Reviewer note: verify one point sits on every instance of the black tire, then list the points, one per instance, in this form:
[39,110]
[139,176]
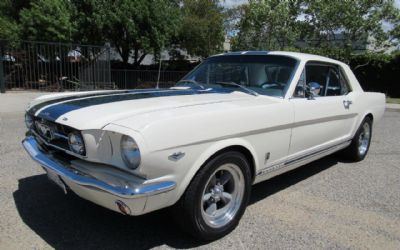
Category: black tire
[353,152]
[189,211]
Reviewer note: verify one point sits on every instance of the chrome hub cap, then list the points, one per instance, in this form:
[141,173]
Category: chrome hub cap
[222,195]
[364,138]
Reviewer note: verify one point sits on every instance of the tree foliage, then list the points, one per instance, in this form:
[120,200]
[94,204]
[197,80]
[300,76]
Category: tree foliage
[47,20]
[136,28]
[8,26]
[275,24]
[202,28]
[141,26]
[353,20]
[267,25]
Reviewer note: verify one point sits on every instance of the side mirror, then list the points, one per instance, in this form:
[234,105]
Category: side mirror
[309,93]
[312,90]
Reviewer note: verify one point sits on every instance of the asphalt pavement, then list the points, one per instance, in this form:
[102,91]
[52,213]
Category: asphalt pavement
[329,203]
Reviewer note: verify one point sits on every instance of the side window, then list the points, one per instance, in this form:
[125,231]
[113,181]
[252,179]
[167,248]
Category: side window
[333,87]
[317,78]
[321,80]
[344,83]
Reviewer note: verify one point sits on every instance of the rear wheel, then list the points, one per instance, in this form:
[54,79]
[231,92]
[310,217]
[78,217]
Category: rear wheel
[216,198]
[359,146]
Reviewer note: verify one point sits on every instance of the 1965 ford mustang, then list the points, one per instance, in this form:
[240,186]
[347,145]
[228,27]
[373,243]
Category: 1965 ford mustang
[237,119]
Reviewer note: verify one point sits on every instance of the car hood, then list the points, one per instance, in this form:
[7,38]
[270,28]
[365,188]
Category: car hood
[95,110]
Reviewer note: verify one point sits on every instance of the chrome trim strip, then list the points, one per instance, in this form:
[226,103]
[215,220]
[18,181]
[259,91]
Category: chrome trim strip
[317,152]
[288,163]
[270,129]
[60,136]
[129,192]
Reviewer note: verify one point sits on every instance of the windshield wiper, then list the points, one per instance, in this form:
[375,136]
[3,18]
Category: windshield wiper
[249,91]
[192,81]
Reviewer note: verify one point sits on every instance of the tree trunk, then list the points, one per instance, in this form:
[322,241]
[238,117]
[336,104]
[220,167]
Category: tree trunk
[138,60]
[125,55]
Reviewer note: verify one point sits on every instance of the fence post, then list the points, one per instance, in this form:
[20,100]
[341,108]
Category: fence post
[2,82]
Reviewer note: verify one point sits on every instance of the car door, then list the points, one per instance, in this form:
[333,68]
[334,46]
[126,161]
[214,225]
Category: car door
[325,119]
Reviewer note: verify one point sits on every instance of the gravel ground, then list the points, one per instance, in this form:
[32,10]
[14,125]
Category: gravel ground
[327,204]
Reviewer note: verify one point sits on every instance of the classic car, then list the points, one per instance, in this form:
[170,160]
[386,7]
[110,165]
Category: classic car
[235,120]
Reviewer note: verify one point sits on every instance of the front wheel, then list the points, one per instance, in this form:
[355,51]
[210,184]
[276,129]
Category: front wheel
[359,146]
[216,198]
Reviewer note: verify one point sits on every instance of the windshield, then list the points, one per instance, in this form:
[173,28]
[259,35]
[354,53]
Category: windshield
[264,74]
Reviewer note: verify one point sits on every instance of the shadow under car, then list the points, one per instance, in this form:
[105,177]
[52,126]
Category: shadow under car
[69,222]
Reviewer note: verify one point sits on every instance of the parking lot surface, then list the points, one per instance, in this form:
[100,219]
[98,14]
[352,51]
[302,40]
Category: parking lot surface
[329,203]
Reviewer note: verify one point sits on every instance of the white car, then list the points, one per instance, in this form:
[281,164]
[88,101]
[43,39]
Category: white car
[237,119]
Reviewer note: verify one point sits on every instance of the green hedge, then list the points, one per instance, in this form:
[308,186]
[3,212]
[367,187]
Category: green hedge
[378,73]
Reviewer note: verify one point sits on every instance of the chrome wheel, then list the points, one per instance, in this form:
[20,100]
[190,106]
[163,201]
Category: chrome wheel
[222,195]
[364,139]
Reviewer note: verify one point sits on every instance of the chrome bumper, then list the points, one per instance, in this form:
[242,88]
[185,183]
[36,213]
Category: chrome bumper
[73,176]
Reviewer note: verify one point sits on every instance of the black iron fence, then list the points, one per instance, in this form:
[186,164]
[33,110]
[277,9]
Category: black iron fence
[129,79]
[45,66]
[27,65]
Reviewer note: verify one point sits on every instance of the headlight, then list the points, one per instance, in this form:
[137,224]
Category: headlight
[130,152]
[76,143]
[28,121]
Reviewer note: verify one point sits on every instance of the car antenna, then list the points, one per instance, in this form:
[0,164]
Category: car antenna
[159,71]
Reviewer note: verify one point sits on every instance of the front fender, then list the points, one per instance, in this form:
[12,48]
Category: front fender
[208,153]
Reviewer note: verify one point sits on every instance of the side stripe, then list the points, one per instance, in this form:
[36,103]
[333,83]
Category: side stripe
[270,129]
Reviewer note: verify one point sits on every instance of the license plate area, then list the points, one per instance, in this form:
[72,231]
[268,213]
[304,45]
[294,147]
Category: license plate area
[53,176]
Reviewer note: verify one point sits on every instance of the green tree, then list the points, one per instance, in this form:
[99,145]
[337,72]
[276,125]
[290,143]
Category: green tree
[267,25]
[355,21]
[321,24]
[202,28]
[8,26]
[47,20]
[138,26]
[86,17]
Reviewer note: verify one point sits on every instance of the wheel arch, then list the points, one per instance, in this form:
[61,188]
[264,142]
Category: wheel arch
[370,116]
[217,148]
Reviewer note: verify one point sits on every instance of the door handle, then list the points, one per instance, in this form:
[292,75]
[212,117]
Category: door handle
[347,104]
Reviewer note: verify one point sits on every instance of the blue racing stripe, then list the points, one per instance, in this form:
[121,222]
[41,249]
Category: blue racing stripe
[52,113]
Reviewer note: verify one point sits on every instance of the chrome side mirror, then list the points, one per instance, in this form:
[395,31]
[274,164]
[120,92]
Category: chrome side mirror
[312,90]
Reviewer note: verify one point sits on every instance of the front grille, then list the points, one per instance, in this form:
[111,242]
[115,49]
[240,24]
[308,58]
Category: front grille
[52,134]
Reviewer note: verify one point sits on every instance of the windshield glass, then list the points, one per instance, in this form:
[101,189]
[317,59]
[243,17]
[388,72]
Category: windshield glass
[265,74]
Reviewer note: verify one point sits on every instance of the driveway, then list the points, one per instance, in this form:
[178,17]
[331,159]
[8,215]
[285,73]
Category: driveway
[330,203]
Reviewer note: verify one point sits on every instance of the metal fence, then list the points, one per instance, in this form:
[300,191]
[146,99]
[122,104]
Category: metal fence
[128,79]
[27,65]
[45,66]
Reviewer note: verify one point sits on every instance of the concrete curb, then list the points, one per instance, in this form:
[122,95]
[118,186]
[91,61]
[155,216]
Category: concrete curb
[393,107]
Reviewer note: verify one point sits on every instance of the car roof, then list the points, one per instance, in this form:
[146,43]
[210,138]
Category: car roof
[296,55]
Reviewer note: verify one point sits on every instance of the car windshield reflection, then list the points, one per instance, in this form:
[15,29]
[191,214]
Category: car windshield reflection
[254,74]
